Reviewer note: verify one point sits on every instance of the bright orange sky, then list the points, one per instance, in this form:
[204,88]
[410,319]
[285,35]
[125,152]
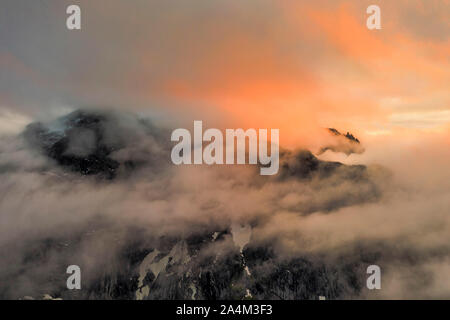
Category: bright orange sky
[322,66]
[294,65]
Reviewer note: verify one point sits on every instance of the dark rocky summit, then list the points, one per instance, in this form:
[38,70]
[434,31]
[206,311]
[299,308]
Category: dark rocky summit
[88,142]
[345,143]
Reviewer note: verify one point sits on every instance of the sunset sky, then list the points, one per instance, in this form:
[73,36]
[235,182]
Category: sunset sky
[293,65]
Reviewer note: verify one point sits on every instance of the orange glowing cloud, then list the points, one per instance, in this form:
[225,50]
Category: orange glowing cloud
[311,67]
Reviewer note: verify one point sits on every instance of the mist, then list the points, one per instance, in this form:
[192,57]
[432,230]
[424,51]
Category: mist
[385,212]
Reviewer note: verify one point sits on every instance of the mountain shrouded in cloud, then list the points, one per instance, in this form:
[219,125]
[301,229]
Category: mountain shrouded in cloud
[152,230]
[296,65]
[95,186]
[345,143]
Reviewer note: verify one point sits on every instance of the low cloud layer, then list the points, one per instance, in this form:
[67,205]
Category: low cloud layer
[336,218]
